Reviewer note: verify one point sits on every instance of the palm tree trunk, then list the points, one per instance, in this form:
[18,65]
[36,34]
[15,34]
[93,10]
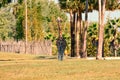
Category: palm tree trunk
[85,32]
[102,20]
[78,33]
[101,28]
[72,24]
[99,51]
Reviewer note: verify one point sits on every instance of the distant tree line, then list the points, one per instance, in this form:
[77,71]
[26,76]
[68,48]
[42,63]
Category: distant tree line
[42,16]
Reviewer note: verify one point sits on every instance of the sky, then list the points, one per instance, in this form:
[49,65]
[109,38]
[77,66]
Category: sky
[56,1]
[93,16]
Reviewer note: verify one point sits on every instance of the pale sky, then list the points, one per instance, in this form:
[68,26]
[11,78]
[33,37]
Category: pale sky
[93,16]
[56,1]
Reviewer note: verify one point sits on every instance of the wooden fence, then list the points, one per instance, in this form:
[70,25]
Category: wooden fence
[42,47]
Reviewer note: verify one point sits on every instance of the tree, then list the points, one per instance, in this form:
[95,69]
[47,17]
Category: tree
[109,5]
[34,30]
[92,40]
[85,31]
[68,7]
[75,8]
[112,35]
[3,3]
[7,24]
[101,28]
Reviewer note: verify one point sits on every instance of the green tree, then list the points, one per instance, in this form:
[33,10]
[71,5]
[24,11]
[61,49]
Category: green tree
[92,40]
[112,36]
[7,24]
[35,30]
[18,12]
[3,3]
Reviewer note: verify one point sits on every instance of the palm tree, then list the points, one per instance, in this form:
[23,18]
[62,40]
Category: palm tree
[109,5]
[69,6]
[76,8]
[101,28]
[85,31]
[72,23]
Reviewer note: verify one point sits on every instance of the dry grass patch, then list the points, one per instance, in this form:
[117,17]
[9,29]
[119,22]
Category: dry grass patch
[35,67]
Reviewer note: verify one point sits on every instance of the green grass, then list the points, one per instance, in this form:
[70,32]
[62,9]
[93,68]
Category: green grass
[35,67]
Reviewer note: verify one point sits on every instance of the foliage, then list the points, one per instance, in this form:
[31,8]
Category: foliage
[7,24]
[53,13]
[42,24]
[92,40]
[41,19]
[3,2]
[111,33]
[18,12]
[110,5]
[20,1]
[50,14]
[36,31]
[75,4]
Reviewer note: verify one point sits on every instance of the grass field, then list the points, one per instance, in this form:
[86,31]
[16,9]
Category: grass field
[35,67]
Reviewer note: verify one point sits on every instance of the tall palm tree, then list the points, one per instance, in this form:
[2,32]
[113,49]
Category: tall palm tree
[77,38]
[80,29]
[101,28]
[85,31]
[99,54]
[72,23]
[108,5]
[69,6]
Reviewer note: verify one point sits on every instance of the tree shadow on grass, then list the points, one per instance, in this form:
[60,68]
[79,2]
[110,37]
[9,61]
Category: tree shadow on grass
[10,59]
[6,60]
[46,57]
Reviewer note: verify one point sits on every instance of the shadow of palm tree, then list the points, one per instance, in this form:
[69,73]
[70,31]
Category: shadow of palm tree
[46,57]
[6,60]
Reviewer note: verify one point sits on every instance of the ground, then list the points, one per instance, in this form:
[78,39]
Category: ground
[37,67]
